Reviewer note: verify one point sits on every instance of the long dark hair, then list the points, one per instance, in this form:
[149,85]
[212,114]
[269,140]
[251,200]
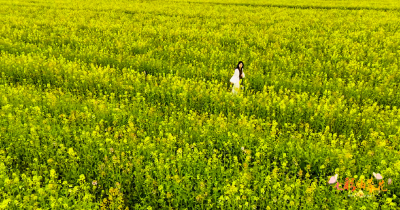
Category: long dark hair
[240,69]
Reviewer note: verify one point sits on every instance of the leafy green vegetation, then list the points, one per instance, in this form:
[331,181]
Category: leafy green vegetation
[127,104]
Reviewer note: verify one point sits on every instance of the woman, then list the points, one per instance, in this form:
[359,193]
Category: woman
[236,78]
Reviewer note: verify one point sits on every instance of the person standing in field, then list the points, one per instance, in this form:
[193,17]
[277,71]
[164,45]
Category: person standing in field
[237,77]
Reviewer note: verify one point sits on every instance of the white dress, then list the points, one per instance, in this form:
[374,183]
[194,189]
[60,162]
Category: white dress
[236,81]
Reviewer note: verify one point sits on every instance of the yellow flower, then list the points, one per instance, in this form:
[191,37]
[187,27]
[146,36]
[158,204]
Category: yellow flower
[5,203]
[348,156]
[359,194]
[53,173]
[300,173]
[169,195]
[309,190]
[82,177]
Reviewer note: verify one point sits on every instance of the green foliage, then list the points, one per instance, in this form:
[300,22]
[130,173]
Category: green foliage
[125,105]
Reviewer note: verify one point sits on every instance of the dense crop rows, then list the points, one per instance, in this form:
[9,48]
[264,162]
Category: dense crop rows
[126,104]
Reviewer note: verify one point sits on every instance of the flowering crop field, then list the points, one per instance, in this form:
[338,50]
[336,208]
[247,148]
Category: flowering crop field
[127,104]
